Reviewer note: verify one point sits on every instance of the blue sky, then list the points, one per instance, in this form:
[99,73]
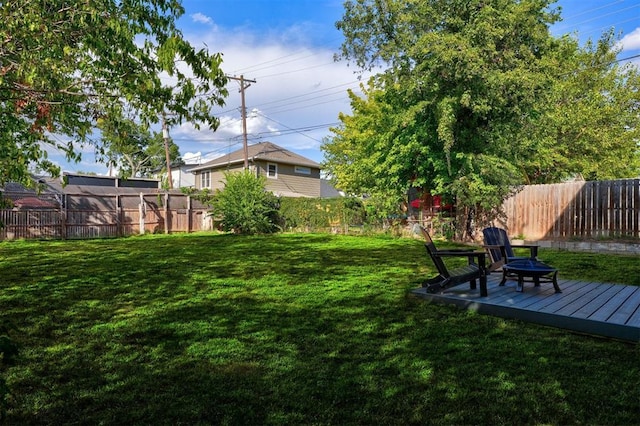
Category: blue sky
[287,46]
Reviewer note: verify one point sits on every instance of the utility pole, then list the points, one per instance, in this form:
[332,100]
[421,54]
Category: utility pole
[165,138]
[244,84]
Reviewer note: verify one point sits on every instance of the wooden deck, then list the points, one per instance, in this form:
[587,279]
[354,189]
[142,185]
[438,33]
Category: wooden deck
[610,310]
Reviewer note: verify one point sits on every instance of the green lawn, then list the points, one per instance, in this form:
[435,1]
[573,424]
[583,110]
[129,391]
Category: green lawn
[289,329]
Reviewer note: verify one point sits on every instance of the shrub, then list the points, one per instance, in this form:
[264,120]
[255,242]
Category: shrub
[319,213]
[244,206]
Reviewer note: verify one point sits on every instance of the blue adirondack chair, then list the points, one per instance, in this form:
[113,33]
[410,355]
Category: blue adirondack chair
[500,250]
[474,270]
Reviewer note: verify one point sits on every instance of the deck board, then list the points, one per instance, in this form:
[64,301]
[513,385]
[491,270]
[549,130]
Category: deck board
[603,309]
[626,309]
[578,299]
[634,320]
[597,303]
[607,309]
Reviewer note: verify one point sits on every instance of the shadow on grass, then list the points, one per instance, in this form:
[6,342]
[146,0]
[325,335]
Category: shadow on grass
[288,329]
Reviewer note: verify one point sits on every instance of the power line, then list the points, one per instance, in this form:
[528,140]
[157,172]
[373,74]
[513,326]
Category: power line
[300,98]
[298,70]
[604,64]
[584,12]
[287,99]
[308,106]
[565,26]
[299,130]
[306,94]
[603,29]
[251,67]
[608,14]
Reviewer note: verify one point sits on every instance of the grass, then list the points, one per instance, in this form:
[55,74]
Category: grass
[289,329]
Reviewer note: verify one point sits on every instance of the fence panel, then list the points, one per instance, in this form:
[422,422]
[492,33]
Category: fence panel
[604,209]
[105,216]
[28,224]
[82,224]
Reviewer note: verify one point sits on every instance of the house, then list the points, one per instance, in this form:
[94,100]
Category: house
[181,175]
[288,174]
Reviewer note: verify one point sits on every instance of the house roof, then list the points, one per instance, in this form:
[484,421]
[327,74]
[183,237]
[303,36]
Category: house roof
[327,190]
[263,151]
[33,203]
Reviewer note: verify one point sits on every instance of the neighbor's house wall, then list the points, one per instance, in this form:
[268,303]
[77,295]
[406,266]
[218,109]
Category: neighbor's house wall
[288,181]
[217,176]
[182,178]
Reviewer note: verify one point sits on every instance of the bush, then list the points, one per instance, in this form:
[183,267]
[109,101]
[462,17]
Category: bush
[319,213]
[244,206]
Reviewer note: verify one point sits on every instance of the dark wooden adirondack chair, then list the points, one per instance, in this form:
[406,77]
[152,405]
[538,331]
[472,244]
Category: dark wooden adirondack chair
[500,249]
[448,278]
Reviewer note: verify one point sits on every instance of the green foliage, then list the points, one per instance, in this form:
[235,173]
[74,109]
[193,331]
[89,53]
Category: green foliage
[8,352]
[67,64]
[320,214]
[244,206]
[590,121]
[384,209]
[133,148]
[477,97]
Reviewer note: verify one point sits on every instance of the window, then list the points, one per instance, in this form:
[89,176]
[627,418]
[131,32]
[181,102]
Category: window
[272,170]
[205,180]
[303,170]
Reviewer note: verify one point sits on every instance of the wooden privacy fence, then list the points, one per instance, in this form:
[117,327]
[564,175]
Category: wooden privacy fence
[564,211]
[92,216]
[580,210]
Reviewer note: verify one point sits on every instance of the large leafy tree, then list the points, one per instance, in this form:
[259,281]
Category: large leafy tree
[63,65]
[588,124]
[474,97]
[134,149]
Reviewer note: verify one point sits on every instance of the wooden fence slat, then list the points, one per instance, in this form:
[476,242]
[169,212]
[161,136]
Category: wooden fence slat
[119,221]
[575,210]
[554,211]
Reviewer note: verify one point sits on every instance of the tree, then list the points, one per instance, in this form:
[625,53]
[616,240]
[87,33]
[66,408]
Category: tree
[472,100]
[590,121]
[134,149]
[64,65]
[244,205]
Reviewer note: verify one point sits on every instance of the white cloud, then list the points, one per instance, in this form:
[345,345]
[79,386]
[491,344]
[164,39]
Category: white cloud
[192,157]
[631,41]
[198,157]
[201,18]
[297,89]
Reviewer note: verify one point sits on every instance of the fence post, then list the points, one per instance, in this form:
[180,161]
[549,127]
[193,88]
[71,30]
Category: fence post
[119,227]
[63,217]
[167,213]
[188,214]
[141,210]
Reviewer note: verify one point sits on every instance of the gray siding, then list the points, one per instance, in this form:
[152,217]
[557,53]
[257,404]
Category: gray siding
[289,182]
[217,176]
